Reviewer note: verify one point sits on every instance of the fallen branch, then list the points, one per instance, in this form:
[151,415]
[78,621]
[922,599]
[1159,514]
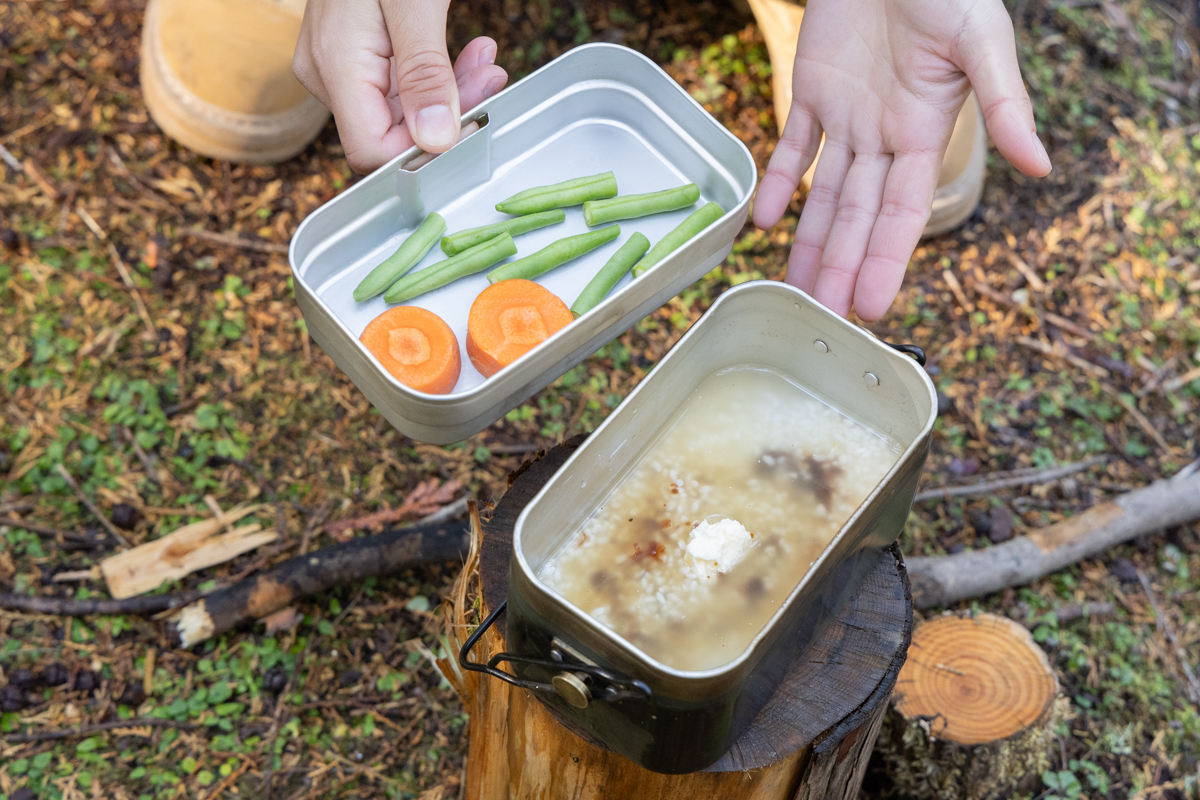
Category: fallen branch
[69,607]
[88,730]
[939,580]
[323,569]
[987,487]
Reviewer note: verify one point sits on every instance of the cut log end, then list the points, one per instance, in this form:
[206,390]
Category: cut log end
[974,711]
[975,680]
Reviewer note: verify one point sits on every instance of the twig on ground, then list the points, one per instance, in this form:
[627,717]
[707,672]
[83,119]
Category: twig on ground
[10,159]
[142,456]
[1074,611]
[88,730]
[1164,624]
[1175,384]
[1140,419]
[988,486]
[281,703]
[427,498]
[230,240]
[46,531]
[314,523]
[1055,352]
[95,228]
[83,498]
[42,182]
[1034,280]
[452,511]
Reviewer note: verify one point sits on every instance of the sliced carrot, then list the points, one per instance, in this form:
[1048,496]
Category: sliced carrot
[417,347]
[510,318]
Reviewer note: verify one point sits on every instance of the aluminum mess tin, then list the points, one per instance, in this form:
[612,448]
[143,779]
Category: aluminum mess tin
[597,108]
[688,719]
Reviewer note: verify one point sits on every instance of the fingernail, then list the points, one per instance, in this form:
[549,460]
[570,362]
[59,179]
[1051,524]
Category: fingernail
[489,53]
[436,126]
[1041,148]
[493,86]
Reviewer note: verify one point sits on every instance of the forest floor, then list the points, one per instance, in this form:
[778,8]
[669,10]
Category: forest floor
[1063,321]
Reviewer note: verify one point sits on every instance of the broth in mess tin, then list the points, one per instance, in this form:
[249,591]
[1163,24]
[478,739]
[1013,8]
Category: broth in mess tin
[708,534]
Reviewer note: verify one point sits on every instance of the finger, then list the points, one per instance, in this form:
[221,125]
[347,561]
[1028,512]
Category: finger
[907,202]
[793,154]
[846,247]
[479,84]
[479,52]
[356,93]
[991,66]
[820,208]
[424,78]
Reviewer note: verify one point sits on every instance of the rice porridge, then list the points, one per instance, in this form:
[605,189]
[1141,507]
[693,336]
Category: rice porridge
[699,544]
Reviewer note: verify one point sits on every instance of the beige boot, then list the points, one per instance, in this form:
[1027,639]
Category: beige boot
[960,184]
[217,77]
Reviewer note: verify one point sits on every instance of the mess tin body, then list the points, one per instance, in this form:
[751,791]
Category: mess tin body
[689,719]
[597,108]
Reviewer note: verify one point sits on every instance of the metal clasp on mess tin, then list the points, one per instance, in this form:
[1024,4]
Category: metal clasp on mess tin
[576,682]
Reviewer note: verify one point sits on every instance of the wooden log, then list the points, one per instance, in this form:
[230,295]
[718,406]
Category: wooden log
[939,580]
[974,712]
[812,740]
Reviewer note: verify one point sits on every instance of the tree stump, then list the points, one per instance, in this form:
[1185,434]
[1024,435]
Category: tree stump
[974,711]
[812,740]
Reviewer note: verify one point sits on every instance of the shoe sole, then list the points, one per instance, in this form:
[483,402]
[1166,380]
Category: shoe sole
[213,131]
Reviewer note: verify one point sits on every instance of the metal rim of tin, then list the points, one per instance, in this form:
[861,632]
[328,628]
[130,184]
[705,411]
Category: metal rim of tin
[886,351]
[478,113]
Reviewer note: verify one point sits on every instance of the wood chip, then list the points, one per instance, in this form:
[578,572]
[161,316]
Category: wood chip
[182,552]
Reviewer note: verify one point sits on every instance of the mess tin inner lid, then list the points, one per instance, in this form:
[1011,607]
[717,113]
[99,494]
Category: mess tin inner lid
[764,323]
[596,108]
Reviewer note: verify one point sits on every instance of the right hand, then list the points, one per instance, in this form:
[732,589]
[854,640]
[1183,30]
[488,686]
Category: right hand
[383,69]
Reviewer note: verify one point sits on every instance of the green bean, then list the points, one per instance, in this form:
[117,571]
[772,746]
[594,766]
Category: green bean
[414,248]
[560,195]
[455,243]
[610,274]
[468,262]
[554,255]
[598,212]
[698,221]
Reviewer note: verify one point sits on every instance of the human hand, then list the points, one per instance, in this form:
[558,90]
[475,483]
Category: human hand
[382,67]
[884,80]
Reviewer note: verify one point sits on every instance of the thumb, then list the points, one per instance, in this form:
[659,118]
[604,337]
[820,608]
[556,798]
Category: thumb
[424,78]
[990,63]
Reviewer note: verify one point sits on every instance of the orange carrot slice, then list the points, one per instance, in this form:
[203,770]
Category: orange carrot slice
[417,347]
[510,318]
